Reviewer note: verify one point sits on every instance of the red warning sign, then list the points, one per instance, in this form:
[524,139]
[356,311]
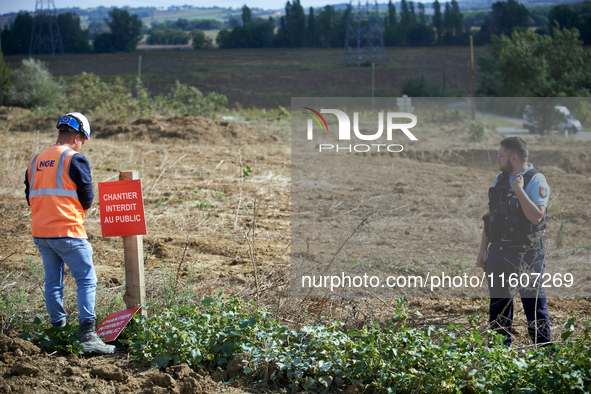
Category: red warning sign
[112,325]
[122,208]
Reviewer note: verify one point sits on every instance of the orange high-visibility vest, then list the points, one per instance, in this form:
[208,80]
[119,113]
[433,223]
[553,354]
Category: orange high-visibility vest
[56,210]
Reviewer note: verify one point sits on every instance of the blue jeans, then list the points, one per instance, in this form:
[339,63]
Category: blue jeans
[77,254]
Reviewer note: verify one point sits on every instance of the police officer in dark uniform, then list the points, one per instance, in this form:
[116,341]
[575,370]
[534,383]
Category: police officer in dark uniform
[512,249]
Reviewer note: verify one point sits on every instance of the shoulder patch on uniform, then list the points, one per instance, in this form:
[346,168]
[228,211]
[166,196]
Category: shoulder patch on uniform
[543,192]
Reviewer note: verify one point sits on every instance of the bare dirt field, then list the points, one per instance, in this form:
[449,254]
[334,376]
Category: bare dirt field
[201,182]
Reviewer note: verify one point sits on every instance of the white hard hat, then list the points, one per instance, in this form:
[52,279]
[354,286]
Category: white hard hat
[77,121]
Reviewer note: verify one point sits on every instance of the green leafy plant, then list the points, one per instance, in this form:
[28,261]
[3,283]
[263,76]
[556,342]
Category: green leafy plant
[477,131]
[246,171]
[34,86]
[221,196]
[12,303]
[55,339]
[204,204]
[382,356]
[186,334]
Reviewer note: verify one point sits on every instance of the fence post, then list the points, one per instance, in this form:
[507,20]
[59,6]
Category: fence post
[133,250]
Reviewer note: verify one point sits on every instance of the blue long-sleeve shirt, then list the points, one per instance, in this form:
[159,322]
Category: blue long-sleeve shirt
[79,172]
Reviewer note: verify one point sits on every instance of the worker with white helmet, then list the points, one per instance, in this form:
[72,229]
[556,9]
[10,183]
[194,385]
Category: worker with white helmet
[58,187]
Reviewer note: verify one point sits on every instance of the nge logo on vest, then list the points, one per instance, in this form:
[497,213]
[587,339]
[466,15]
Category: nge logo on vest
[45,164]
[393,124]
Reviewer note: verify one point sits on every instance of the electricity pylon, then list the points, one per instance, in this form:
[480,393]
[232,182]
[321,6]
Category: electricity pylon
[45,36]
[364,41]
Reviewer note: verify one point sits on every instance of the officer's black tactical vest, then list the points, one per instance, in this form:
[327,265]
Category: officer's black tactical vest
[506,225]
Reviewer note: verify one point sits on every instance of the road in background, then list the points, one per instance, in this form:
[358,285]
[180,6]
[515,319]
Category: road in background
[518,131]
[515,129]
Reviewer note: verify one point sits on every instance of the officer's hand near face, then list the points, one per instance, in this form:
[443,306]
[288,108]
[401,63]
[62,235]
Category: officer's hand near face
[517,183]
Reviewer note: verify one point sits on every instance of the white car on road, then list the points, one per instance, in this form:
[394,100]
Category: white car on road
[567,122]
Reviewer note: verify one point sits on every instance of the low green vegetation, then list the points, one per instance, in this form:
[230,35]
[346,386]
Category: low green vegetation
[34,87]
[477,131]
[389,356]
[53,339]
[246,171]
[204,204]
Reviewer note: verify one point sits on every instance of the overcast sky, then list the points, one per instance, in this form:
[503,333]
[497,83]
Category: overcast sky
[7,6]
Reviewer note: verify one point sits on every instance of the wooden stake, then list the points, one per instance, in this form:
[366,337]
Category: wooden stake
[133,250]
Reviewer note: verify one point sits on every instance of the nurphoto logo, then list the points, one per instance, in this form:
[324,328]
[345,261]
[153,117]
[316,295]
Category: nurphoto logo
[344,130]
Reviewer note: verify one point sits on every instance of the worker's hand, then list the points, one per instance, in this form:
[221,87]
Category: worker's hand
[517,183]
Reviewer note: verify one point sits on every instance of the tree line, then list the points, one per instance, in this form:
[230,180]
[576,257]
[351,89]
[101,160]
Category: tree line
[16,37]
[408,26]
[327,27]
[123,33]
[324,27]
